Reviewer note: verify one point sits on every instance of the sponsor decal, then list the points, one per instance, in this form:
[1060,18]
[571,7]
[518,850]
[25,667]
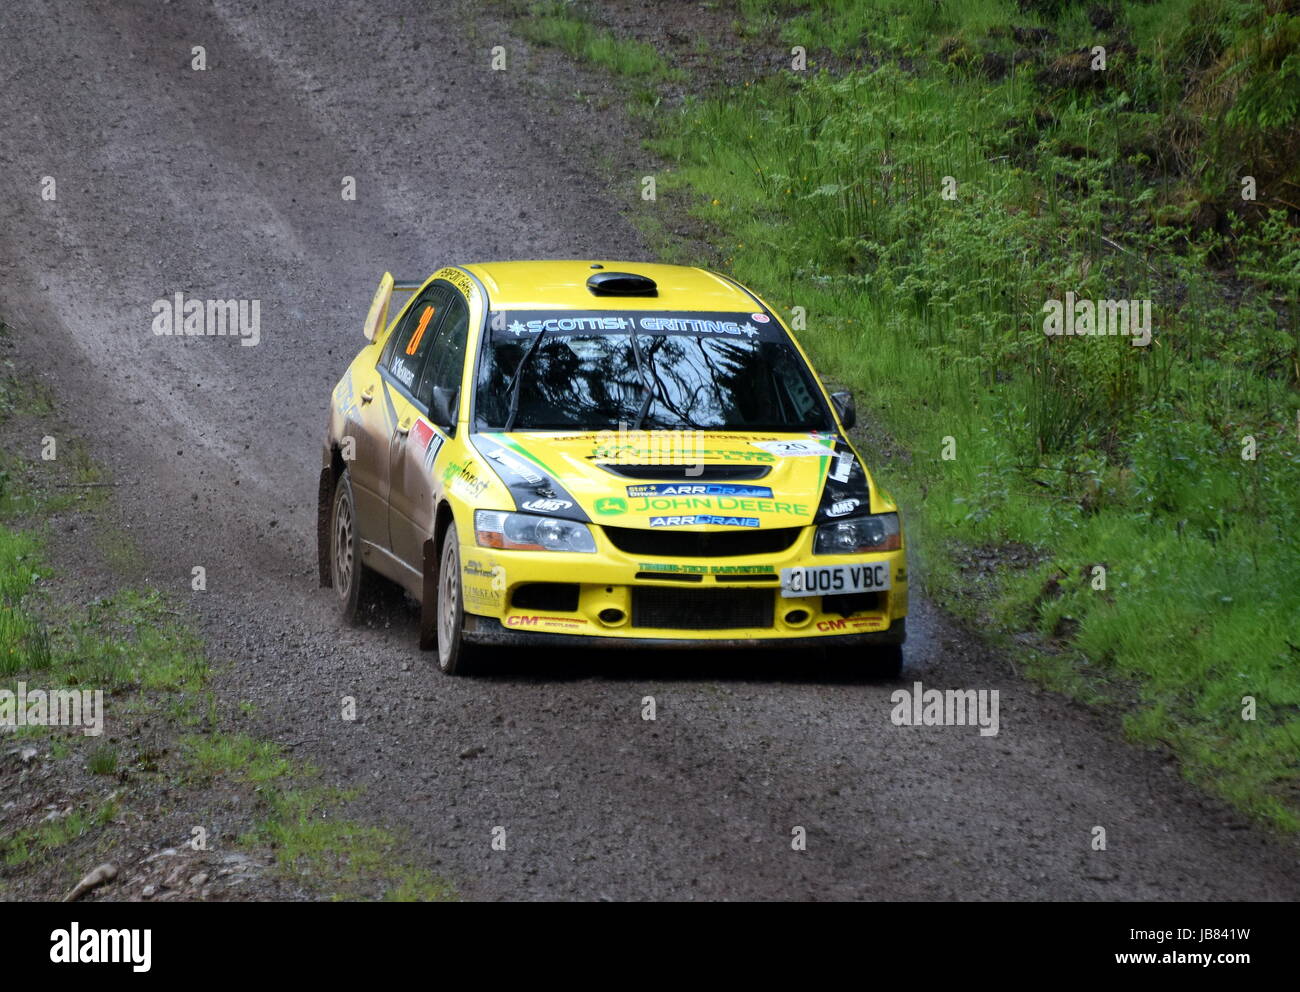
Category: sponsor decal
[431,451]
[677,447]
[546,505]
[842,467]
[672,503]
[343,398]
[610,505]
[647,566]
[592,323]
[478,596]
[462,479]
[475,592]
[842,507]
[604,322]
[698,489]
[520,323]
[853,623]
[459,279]
[421,433]
[630,455]
[564,623]
[404,374]
[694,325]
[793,449]
[516,466]
[528,483]
[702,519]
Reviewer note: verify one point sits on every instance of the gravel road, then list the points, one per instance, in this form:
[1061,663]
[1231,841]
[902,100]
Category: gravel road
[226,183]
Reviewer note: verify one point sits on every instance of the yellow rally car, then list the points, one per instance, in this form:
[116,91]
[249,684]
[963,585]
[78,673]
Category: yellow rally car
[598,453]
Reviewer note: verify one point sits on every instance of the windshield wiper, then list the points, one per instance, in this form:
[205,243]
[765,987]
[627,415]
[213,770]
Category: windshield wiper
[640,372]
[518,379]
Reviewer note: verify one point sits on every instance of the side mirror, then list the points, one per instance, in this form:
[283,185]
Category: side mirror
[845,407]
[442,406]
[377,318]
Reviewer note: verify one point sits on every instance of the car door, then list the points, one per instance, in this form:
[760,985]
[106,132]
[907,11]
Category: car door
[365,433]
[398,373]
[418,443]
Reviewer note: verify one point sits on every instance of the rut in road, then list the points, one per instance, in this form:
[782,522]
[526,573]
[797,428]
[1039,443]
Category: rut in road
[226,183]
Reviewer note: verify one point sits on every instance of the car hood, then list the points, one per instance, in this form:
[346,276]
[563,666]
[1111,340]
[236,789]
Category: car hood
[693,480]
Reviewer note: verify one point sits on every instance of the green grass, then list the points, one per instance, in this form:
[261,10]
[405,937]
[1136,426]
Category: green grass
[825,191]
[47,838]
[237,756]
[103,760]
[312,843]
[24,644]
[148,661]
[563,25]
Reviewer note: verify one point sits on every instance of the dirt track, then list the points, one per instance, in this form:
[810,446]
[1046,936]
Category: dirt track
[226,184]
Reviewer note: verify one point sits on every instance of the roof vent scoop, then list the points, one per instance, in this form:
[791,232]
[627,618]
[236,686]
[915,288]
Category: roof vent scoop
[621,284]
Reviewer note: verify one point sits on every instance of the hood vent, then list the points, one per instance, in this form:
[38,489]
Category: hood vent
[621,284]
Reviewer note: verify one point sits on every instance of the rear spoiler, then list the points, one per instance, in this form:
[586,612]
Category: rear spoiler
[406,285]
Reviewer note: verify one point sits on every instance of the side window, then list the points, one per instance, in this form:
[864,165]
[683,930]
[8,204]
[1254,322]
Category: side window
[447,359]
[410,342]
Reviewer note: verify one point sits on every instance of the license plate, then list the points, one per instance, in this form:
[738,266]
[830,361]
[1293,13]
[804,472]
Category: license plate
[831,580]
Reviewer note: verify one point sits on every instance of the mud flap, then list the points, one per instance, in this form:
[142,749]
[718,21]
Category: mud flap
[429,598]
[324,508]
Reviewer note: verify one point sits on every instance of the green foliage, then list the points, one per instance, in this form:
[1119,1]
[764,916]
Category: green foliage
[236,756]
[563,25]
[828,193]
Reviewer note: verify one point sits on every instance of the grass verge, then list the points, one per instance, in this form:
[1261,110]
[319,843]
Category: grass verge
[165,750]
[921,199]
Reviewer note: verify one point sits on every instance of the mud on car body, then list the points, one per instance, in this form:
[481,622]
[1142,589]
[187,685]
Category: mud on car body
[585,453]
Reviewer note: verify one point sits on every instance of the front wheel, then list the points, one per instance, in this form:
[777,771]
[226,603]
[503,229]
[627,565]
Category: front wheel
[453,651]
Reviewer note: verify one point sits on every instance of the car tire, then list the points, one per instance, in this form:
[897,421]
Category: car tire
[454,652]
[352,580]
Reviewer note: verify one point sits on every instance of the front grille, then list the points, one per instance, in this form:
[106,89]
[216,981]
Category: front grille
[689,472]
[697,544]
[670,576]
[559,596]
[700,609]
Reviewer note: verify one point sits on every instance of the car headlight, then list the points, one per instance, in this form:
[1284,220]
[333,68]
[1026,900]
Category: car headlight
[524,532]
[845,537]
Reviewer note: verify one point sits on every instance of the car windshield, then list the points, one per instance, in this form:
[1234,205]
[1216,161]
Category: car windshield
[685,370]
